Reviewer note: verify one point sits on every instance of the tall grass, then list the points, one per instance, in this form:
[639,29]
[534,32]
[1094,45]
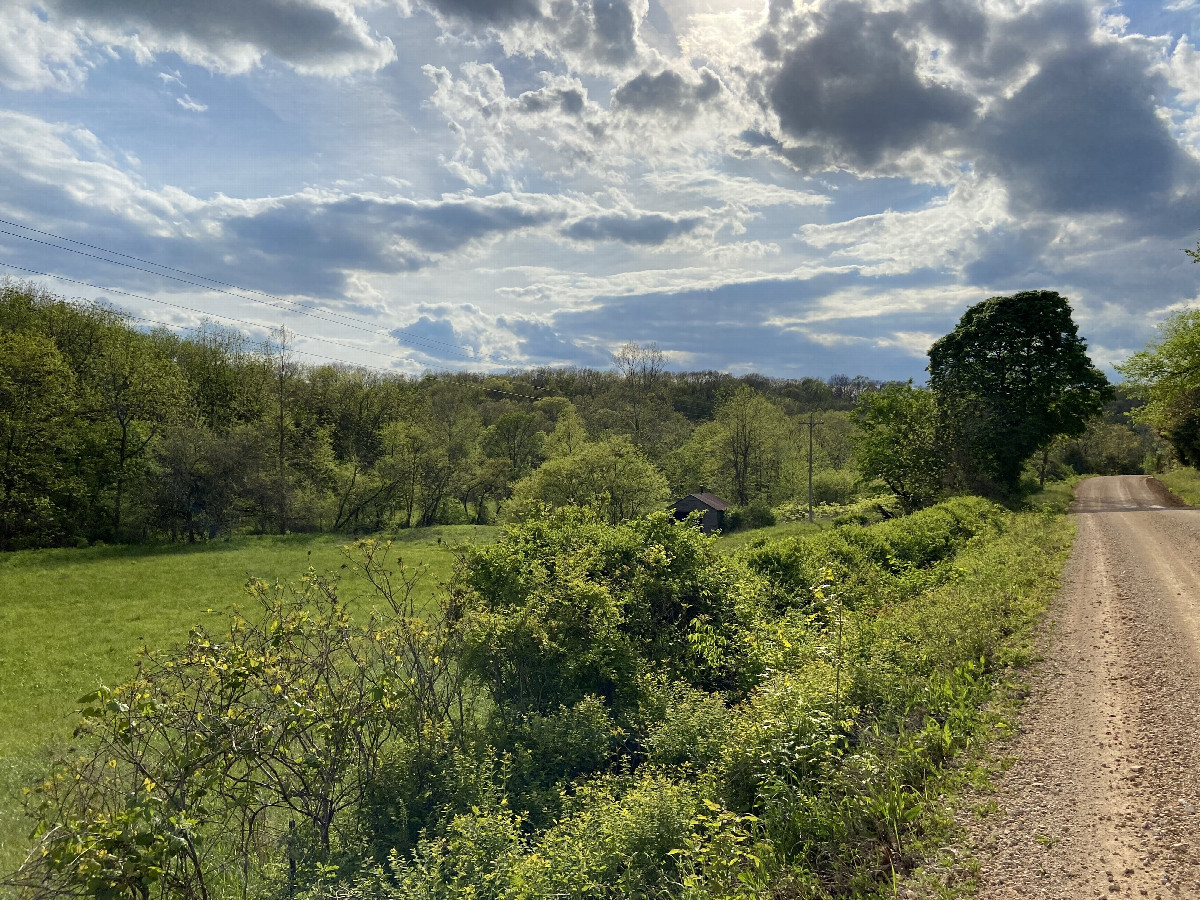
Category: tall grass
[71,619]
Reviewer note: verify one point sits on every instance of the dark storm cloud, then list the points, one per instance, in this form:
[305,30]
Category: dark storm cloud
[305,33]
[488,12]
[358,232]
[616,30]
[853,90]
[647,229]
[999,48]
[667,92]
[300,245]
[1083,136]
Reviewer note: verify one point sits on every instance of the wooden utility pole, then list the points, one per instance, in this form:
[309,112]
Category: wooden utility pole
[811,423]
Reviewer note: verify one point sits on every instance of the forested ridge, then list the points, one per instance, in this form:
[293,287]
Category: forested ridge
[113,432]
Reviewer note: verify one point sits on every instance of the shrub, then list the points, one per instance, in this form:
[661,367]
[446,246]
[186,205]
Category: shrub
[690,728]
[567,606]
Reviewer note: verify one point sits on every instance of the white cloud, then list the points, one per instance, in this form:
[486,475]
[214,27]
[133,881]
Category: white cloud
[942,235]
[36,54]
[191,105]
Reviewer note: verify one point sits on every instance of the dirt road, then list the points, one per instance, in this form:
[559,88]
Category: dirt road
[1104,796]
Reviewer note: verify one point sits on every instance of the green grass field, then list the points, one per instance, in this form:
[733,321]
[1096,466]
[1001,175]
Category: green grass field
[71,619]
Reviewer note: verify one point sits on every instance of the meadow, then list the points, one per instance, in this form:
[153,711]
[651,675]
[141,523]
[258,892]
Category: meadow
[72,619]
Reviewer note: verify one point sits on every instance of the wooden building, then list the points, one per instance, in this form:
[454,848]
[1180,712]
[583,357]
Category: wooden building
[710,505]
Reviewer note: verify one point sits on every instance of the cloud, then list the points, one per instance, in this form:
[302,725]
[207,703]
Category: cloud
[191,105]
[646,229]
[667,93]
[943,235]
[847,91]
[488,12]
[322,37]
[330,233]
[1083,135]
[737,328]
[590,35]
[36,54]
[464,336]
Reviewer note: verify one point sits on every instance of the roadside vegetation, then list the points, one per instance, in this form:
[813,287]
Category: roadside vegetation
[590,699]
[596,709]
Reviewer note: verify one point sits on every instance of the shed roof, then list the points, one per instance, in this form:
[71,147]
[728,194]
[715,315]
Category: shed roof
[710,500]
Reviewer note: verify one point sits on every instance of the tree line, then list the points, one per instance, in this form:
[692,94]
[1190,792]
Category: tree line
[111,432]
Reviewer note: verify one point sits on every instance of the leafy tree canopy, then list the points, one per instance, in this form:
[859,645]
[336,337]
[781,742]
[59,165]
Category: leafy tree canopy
[897,442]
[611,476]
[1167,374]
[1011,376]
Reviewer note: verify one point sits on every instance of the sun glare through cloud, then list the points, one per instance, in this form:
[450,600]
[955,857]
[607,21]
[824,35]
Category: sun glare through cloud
[542,182]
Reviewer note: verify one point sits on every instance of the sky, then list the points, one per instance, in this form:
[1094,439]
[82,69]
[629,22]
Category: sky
[792,188]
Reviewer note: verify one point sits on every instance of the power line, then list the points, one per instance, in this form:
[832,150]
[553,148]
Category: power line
[299,307]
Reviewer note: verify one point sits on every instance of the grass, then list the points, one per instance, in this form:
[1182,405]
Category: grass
[1054,496]
[1185,483]
[70,619]
[739,539]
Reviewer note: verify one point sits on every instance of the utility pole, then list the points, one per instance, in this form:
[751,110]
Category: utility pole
[811,423]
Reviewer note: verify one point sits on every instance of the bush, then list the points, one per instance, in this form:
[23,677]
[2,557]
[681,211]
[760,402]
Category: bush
[568,606]
[689,728]
[855,555]
[835,486]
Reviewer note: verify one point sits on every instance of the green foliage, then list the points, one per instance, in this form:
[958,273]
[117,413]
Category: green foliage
[742,454]
[600,711]
[36,401]
[1185,483]
[857,555]
[897,442]
[752,515]
[1167,375]
[74,618]
[610,476]
[687,727]
[1012,376]
[567,606]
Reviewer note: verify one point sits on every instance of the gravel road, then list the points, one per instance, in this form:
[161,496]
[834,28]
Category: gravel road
[1103,797]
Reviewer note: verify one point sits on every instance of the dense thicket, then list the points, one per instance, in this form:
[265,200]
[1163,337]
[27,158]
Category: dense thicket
[595,711]
[114,433]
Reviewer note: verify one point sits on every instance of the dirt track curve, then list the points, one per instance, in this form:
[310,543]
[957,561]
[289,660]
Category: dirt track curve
[1104,796]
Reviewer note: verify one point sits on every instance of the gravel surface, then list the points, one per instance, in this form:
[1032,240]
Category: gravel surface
[1103,797]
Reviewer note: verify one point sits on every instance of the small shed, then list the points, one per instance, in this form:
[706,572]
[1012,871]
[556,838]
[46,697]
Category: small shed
[710,505]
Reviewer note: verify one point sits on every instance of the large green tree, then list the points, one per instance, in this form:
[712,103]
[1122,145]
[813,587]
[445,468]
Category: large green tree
[1008,379]
[36,402]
